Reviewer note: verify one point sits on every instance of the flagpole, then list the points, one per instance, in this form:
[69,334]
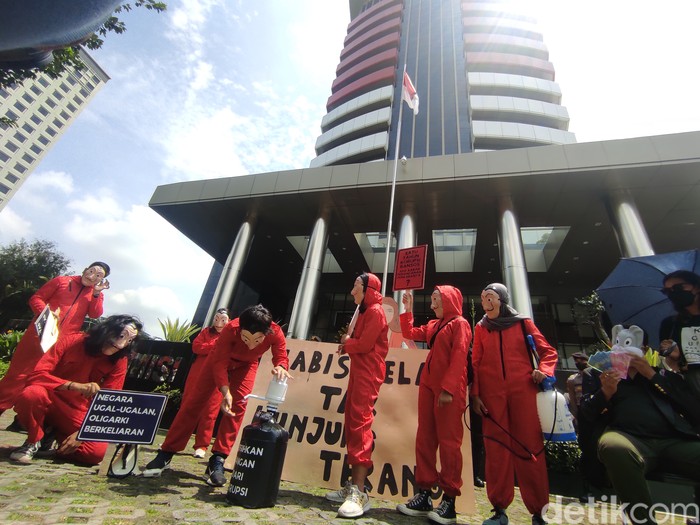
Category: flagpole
[393,188]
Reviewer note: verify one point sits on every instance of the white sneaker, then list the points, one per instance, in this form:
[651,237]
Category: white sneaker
[339,496]
[26,452]
[200,453]
[356,504]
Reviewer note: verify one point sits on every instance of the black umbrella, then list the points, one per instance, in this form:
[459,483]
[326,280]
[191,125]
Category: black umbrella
[632,291]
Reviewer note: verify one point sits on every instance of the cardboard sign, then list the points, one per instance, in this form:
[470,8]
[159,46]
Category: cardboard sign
[409,270]
[313,414]
[46,328]
[123,416]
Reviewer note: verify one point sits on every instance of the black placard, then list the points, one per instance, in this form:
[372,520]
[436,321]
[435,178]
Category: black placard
[123,416]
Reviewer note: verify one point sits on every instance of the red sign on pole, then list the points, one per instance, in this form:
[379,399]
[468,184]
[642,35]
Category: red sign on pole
[409,270]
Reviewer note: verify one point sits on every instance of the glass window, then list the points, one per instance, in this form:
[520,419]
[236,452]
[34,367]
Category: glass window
[4,93]
[4,157]
[50,103]
[27,158]
[58,95]
[43,110]
[65,115]
[71,81]
[28,98]
[19,168]
[43,82]
[28,127]
[36,119]
[19,137]
[71,107]
[36,149]
[11,114]
[64,88]
[36,90]
[19,106]
[12,178]
[84,92]
[11,146]
[43,140]
[57,123]
[51,132]
[3,188]
[77,100]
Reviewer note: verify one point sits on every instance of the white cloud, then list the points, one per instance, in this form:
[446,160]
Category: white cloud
[41,189]
[149,303]
[13,227]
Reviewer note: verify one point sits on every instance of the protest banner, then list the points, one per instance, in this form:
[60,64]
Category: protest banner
[313,415]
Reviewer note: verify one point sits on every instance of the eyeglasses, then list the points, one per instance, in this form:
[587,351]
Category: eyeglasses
[680,287]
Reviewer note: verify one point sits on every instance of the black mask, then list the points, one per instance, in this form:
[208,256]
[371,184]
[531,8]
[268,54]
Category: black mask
[681,298]
[582,366]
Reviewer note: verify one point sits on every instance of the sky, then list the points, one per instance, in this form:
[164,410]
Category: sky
[220,88]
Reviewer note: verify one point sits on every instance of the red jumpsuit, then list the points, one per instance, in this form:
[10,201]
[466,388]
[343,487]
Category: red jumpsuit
[367,349]
[445,369]
[75,302]
[40,405]
[503,381]
[202,346]
[231,363]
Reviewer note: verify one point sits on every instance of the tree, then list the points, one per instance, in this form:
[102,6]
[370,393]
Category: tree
[68,57]
[24,267]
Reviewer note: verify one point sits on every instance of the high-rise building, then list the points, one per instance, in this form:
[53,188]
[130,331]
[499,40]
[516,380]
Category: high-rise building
[42,109]
[493,183]
[481,69]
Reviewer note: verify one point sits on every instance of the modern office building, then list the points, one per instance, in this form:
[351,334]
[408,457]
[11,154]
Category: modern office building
[481,70]
[42,110]
[493,183]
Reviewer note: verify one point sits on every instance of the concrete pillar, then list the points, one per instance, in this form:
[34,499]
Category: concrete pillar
[226,289]
[302,310]
[631,235]
[513,257]
[407,239]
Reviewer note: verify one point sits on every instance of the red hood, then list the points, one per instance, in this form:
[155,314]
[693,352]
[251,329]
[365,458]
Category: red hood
[451,301]
[373,294]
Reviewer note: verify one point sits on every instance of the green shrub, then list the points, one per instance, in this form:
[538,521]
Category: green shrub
[563,456]
[8,342]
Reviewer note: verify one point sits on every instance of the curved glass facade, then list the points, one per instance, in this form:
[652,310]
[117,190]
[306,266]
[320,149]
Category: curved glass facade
[482,73]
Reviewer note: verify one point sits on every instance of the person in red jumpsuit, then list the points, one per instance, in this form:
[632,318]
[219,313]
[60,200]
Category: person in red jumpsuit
[504,393]
[229,369]
[70,298]
[58,392]
[367,345]
[442,400]
[202,346]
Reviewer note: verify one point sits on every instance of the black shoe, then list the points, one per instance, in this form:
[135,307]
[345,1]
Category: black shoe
[158,464]
[418,505]
[445,514]
[479,483]
[537,519]
[46,444]
[215,471]
[499,518]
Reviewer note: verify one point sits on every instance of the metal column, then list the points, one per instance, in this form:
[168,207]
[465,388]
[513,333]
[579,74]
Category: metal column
[513,258]
[308,285]
[631,235]
[225,290]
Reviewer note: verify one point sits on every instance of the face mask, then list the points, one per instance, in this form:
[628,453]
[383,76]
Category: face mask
[582,366]
[681,298]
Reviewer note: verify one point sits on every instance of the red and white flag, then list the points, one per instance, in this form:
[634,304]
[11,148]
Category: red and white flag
[408,93]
